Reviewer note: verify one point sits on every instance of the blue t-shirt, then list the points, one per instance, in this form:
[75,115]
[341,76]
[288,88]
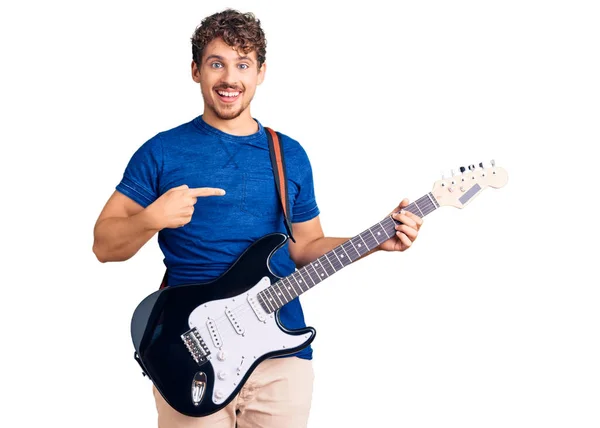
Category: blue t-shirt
[222,227]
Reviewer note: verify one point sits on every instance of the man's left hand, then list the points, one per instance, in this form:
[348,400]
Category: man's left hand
[406,232]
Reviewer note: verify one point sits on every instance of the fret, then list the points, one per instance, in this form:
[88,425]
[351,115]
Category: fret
[327,266]
[261,300]
[306,273]
[378,233]
[363,246]
[366,238]
[391,224]
[297,289]
[269,300]
[335,269]
[312,278]
[381,232]
[330,264]
[301,281]
[281,293]
[433,201]
[376,243]
[342,255]
[288,287]
[373,235]
[353,248]
[411,208]
[319,269]
[270,303]
[276,294]
[420,207]
[423,203]
[420,212]
[432,204]
[428,209]
[338,262]
[428,204]
[292,288]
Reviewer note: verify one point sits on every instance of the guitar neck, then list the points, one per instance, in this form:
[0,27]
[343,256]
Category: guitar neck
[305,278]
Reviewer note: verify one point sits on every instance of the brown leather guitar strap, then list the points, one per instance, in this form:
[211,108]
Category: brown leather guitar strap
[278,163]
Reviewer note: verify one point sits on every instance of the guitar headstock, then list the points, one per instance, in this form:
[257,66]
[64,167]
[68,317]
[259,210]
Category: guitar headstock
[459,189]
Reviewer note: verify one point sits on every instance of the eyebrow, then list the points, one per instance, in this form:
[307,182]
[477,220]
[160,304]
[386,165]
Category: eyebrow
[220,58]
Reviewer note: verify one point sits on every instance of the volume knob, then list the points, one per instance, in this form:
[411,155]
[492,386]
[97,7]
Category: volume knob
[222,375]
[221,356]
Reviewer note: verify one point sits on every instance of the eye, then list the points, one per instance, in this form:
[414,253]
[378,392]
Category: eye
[244,66]
[216,65]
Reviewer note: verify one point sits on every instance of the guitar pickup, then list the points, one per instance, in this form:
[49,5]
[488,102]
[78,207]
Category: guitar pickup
[234,322]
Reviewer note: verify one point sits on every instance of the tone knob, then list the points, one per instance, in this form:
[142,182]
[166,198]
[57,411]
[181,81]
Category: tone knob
[219,394]
[222,375]
[221,356]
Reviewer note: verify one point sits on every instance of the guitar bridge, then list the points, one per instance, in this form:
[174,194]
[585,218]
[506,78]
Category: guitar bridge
[195,344]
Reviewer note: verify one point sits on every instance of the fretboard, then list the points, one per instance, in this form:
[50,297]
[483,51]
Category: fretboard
[305,278]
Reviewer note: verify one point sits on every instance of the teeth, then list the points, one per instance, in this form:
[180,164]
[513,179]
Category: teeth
[228,94]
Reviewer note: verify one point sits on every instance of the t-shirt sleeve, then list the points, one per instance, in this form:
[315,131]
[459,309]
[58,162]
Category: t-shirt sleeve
[141,176]
[305,203]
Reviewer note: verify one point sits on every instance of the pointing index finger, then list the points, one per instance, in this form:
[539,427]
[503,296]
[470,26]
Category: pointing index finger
[206,191]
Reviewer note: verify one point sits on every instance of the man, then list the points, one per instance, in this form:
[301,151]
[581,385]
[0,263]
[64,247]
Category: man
[207,188]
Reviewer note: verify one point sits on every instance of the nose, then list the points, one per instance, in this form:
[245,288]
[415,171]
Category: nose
[230,76]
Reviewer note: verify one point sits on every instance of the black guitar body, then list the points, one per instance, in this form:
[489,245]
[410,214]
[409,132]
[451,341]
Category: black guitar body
[161,319]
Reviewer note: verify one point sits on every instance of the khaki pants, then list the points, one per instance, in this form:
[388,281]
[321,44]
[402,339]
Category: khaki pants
[277,395]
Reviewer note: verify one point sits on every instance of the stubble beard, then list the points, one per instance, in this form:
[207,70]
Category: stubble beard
[228,113]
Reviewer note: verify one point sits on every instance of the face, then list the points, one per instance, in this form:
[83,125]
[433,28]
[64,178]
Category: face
[228,80]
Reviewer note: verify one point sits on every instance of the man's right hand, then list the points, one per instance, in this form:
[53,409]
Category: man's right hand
[175,207]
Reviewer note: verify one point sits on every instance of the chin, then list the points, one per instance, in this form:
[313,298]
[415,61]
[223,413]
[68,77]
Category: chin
[228,115]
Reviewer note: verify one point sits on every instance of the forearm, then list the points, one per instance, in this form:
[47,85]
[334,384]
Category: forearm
[119,238]
[320,246]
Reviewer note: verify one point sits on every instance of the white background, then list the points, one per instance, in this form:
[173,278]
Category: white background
[490,320]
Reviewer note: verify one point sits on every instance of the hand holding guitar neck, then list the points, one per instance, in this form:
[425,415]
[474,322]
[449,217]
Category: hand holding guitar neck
[175,207]
[407,229]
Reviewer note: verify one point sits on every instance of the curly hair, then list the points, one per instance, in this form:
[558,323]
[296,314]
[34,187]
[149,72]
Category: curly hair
[239,30]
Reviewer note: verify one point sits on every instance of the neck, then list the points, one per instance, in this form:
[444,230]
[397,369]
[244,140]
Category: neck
[240,126]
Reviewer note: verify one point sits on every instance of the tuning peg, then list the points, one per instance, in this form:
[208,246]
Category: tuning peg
[493,162]
[481,165]
[443,176]
[462,169]
[452,172]
[471,167]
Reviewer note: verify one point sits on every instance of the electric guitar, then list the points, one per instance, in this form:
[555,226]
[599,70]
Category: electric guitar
[199,343]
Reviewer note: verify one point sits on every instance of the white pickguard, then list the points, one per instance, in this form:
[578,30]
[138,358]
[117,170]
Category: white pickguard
[236,337]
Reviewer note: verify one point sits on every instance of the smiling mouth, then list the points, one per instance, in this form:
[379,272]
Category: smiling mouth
[228,96]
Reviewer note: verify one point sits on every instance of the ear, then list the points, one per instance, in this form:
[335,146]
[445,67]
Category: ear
[195,72]
[261,73]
